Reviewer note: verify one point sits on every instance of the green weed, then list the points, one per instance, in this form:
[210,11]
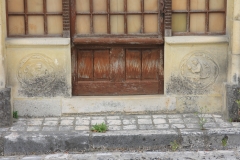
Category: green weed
[99,128]
[15,114]
[174,145]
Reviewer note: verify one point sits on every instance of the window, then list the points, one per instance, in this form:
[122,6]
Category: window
[201,17]
[117,17]
[34,17]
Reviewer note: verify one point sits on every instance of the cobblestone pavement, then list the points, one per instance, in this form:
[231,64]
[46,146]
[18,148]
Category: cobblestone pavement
[200,155]
[119,122]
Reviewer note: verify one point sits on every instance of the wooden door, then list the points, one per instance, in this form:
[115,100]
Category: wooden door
[122,60]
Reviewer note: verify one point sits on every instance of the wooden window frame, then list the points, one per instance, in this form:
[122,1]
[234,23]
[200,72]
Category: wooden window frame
[207,11]
[108,13]
[25,14]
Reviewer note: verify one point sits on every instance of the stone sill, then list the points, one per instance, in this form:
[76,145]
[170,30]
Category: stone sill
[37,42]
[196,39]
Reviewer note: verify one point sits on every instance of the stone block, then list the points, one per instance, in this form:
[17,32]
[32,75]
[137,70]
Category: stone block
[1,145]
[5,107]
[25,143]
[134,139]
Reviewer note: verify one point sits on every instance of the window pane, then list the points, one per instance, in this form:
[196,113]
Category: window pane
[16,25]
[54,5]
[117,24]
[150,23]
[99,6]
[133,5]
[15,6]
[116,5]
[197,4]
[100,24]
[197,22]
[83,24]
[35,25]
[216,4]
[179,22]
[35,5]
[134,23]
[83,5]
[179,4]
[216,22]
[55,24]
[150,5]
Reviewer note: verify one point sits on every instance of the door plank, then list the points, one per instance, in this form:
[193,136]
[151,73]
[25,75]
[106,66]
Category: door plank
[150,62]
[85,65]
[117,65]
[133,64]
[101,65]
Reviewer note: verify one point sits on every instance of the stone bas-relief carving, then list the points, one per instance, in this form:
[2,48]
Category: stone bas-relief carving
[199,69]
[39,76]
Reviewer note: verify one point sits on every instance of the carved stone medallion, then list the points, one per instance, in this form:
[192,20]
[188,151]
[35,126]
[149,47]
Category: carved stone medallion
[199,69]
[36,72]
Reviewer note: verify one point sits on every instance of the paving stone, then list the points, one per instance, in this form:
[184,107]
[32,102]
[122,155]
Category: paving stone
[83,118]
[159,121]
[190,116]
[129,127]
[20,123]
[162,126]
[114,128]
[98,118]
[18,128]
[66,122]
[66,128]
[192,125]
[50,128]
[82,128]
[205,115]
[210,125]
[236,124]
[225,124]
[33,158]
[178,126]
[4,129]
[191,120]
[144,121]
[34,128]
[217,115]
[51,123]
[93,122]
[67,118]
[175,120]
[51,119]
[159,116]
[35,123]
[174,116]
[146,127]
[83,122]
[129,121]
[106,156]
[219,120]
[56,156]
[113,117]
[114,122]
[81,157]
[144,117]
[210,120]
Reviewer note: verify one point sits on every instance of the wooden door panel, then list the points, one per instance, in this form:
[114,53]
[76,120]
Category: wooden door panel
[150,63]
[117,65]
[133,64]
[85,65]
[118,71]
[101,65]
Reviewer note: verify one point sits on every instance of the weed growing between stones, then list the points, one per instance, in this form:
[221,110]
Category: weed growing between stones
[225,141]
[174,145]
[15,114]
[202,118]
[99,128]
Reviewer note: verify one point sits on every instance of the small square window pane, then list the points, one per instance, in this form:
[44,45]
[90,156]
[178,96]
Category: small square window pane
[83,5]
[35,25]
[16,25]
[100,24]
[197,4]
[179,22]
[216,4]
[55,24]
[134,23]
[117,24]
[134,5]
[150,23]
[15,6]
[216,22]
[117,5]
[54,5]
[197,22]
[150,5]
[35,5]
[83,24]
[99,5]
[179,4]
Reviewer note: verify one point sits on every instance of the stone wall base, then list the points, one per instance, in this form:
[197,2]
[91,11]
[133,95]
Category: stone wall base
[5,107]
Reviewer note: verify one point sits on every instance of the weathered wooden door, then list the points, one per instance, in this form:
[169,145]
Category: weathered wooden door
[117,47]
